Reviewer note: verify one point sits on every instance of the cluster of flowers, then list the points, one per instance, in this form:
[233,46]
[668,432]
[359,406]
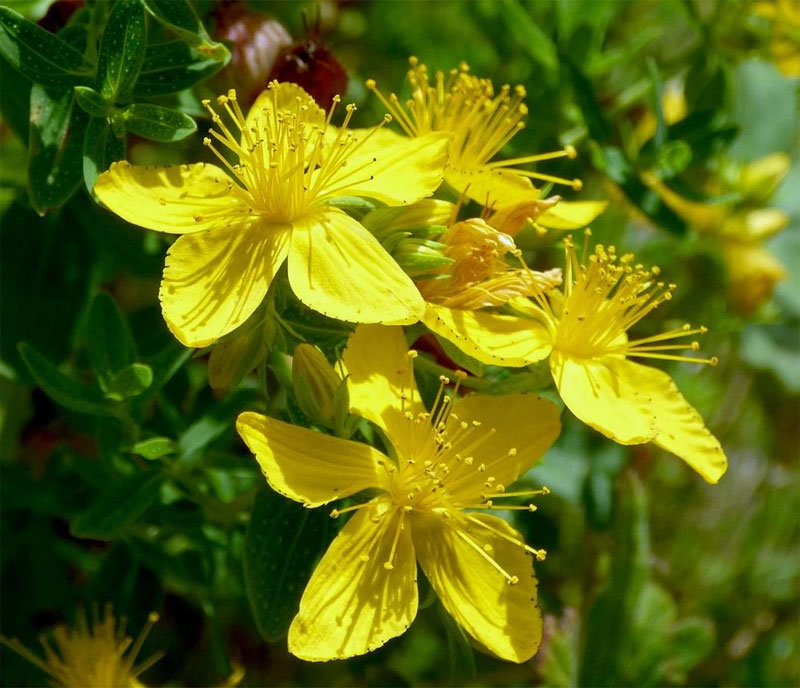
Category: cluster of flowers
[285,174]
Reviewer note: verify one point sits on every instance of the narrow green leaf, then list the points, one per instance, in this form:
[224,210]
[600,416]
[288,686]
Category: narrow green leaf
[155,448]
[55,140]
[281,546]
[157,123]
[61,387]
[531,38]
[129,382]
[180,17]
[122,505]
[101,147]
[122,49]
[15,104]
[91,102]
[39,55]
[172,66]
[110,343]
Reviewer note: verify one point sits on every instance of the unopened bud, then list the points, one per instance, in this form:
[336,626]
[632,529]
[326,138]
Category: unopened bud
[419,256]
[237,356]
[315,383]
[759,179]
[425,213]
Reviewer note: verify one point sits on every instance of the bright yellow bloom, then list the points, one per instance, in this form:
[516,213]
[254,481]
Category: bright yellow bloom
[450,462]
[480,123]
[96,655]
[480,278]
[239,222]
[586,326]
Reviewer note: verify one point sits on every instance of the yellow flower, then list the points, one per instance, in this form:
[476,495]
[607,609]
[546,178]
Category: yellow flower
[480,123]
[784,17]
[479,278]
[96,655]
[742,228]
[586,326]
[239,222]
[450,462]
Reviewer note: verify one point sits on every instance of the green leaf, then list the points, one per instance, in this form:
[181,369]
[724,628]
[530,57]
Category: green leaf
[180,17]
[39,55]
[173,66]
[157,123]
[55,139]
[101,147]
[122,50]
[155,447]
[110,343]
[122,505]
[15,105]
[91,102]
[531,38]
[59,386]
[129,382]
[282,544]
[604,657]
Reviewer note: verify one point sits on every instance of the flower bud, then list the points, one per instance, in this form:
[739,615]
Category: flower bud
[235,357]
[759,179]
[315,384]
[752,273]
[429,212]
[418,256]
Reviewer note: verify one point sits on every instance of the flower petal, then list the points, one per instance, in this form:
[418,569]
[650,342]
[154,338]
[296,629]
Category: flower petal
[571,214]
[495,188]
[523,422]
[351,606]
[377,363]
[338,268]
[178,199]
[503,618]
[213,281]
[308,466]
[489,337]
[391,168]
[680,428]
[605,393]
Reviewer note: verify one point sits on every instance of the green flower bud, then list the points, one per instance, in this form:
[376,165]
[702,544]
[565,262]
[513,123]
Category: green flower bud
[418,256]
[384,222]
[235,357]
[315,384]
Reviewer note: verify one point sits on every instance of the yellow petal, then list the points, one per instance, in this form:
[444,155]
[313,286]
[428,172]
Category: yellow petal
[351,606]
[489,337]
[308,466]
[503,618]
[496,188]
[680,429]
[338,268]
[213,281]
[703,216]
[391,168]
[285,97]
[567,215]
[178,199]
[524,424]
[605,394]
[377,364]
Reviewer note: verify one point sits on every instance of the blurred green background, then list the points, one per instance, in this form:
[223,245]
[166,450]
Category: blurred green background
[652,577]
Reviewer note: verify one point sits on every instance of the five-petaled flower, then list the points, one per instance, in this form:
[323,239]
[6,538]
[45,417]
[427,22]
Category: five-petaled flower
[452,464]
[240,223]
[584,329]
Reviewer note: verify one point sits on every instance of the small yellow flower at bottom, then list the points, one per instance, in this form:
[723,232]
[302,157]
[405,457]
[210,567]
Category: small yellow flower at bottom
[453,466]
[585,327]
[96,655]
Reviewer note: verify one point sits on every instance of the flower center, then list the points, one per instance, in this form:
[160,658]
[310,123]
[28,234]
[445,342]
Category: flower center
[604,297]
[288,156]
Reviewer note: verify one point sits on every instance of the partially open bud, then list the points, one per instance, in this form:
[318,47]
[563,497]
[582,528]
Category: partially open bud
[429,212]
[315,384]
[759,179]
